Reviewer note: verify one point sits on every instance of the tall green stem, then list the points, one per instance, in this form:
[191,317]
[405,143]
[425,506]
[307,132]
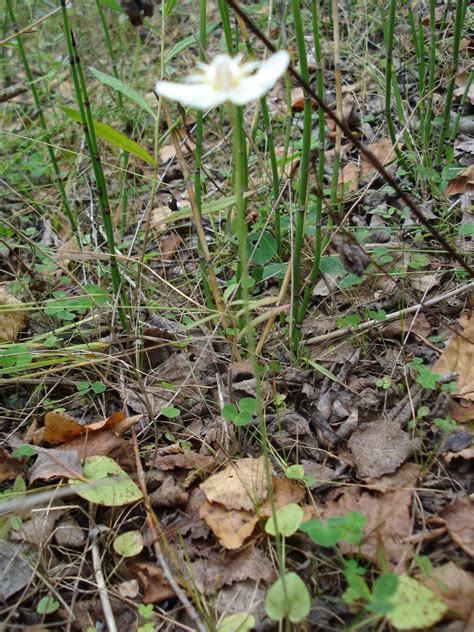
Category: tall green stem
[321,161]
[198,155]
[303,173]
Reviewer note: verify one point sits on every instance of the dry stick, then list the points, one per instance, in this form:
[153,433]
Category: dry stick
[99,577]
[333,335]
[154,527]
[374,161]
[197,217]
[30,27]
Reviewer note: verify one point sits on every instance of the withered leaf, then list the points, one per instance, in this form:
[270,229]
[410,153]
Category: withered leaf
[379,448]
[151,577]
[459,519]
[458,358]
[231,526]
[383,150]
[9,466]
[52,463]
[241,485]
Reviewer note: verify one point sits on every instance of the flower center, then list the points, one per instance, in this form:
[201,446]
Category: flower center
[225,76]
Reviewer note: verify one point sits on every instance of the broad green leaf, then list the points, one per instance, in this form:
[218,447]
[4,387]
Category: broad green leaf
[244,418]
[295,471]
[122,87]
[47,605]
[229,411]
[265,251]
[113,137]
[237,622]
[290,599]
[285,521]
[248,404]
[384,588]
[129,544]
[111,486]
[112,4]
[170,412]
[415,606]
[322,532]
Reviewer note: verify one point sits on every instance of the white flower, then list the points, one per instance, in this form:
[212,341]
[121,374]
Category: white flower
[226,79]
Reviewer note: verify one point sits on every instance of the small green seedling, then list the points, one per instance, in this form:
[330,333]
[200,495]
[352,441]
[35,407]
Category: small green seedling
[243,414]
[348,528]
[288,597]
[47,605]
[285,521]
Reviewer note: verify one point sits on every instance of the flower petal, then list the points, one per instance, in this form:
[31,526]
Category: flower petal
[200,96]
[249,89]
[273,68]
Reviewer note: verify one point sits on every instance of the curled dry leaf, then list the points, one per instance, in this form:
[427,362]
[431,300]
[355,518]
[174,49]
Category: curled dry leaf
[384,152]
[213,572]
[61,428]
[461,183]
[55,464]
[231,526]
[459,519]
[379,448]
[12,316]
[241,485]
[9,466]
[458,358]
[155,585]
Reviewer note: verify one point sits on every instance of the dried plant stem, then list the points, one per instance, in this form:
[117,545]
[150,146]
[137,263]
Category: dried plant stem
[371,324]
[99,578]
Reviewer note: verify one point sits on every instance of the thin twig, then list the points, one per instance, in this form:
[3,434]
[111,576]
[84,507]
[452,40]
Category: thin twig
[99,577]
[333,335]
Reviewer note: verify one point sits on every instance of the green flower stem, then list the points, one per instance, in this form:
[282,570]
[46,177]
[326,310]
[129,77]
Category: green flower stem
[431,80]
[240,220]
[67,208]
[91,140]
[320,174]
[303,173]
[461,7]
[198,157]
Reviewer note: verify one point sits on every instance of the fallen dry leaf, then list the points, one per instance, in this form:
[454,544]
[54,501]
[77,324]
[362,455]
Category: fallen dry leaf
[210,574]
[156,588]
[379,448]
[384,152]
[62,428]
[52,463]
[169,245]
[459,519]
[39,527]
[461,81]
[241,485]
[349,177]
[9,466]
[69,534]
[297,100]
[12,316]
[388,515]
[455,586]
[169,494]
[188,460]
[461,183]
[103,443]
[460,412]
[15,568]
[285,491]
[458,358]
[231,526]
